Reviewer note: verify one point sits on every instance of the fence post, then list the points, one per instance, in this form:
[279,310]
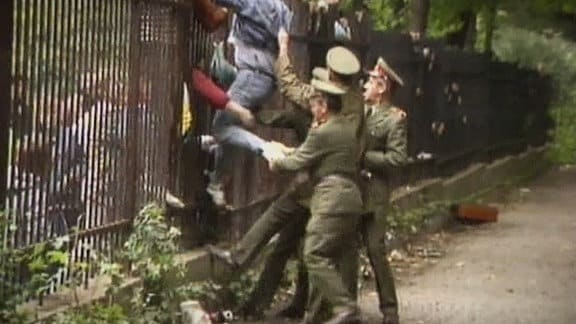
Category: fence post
[6,13]
[134,83]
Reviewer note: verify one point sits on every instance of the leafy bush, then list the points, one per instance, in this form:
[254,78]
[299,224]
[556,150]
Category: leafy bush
[553,55]
[12,293]
[96,314]
[400,221]
[26,273]
[151,250]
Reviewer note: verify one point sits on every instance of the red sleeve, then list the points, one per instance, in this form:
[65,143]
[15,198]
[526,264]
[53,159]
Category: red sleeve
[209,90]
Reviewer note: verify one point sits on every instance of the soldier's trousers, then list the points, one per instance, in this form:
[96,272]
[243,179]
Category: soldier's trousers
[330,238]
[281,214]
[286,246]
[288,217]
[373,233]
[372,229]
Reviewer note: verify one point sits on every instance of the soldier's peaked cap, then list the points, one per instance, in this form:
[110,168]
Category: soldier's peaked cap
[342,61]
[327,87]
[384,71]
[321,73]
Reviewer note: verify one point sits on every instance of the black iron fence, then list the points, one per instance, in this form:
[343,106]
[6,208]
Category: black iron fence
[92,122]
[462,107]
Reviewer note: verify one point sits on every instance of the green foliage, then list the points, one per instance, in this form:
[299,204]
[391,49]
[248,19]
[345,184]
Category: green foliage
[12,293]
[411,220]
[151,250]
[389,14]
[96,314]
[444,15]
[242,287]
[554,56]
[44,263]
[551,6]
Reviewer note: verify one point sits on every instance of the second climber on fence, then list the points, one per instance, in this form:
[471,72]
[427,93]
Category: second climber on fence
[256,24]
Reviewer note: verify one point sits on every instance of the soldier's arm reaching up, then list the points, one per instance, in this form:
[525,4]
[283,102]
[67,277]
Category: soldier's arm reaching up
[289,84]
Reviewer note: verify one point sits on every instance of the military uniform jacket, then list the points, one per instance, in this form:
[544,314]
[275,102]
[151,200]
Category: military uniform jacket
[352,108]
[386,146]
[330,153]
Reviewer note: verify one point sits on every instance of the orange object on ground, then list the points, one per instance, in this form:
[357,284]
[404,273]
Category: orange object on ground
[480,213]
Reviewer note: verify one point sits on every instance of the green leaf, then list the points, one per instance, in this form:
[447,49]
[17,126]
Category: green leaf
[58,258]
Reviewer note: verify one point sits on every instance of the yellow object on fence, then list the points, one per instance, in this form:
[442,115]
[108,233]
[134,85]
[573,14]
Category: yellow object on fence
[187,117]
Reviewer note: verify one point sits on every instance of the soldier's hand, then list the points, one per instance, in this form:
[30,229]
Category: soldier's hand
[283,148]
[273,163]
[273,151]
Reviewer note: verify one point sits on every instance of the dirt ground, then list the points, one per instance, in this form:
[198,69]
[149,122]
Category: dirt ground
[521,269]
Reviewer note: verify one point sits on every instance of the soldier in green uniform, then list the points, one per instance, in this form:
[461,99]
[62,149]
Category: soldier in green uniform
[342,70]
[386,146]
[289,213]
[343,66]
[330,153]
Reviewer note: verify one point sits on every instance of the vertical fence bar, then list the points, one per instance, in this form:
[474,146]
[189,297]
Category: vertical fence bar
[134,76]
[17,109]
[88,124]
[6,36]
[50,102]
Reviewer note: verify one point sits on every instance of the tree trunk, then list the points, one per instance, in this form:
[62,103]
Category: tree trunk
[464,37]
[471,33]
[490,26]
[419,10]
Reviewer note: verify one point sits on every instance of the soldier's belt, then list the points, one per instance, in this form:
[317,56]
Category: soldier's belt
[339,176]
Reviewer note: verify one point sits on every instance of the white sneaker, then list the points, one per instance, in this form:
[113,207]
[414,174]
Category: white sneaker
[217,193]
[206,142]
[173,201]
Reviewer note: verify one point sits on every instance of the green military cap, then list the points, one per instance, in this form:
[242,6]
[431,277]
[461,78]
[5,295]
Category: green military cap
[327,87]
[321,73]
[383,71]
[342,61]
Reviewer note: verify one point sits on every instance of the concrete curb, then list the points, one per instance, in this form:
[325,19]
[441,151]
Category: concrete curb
[486,181]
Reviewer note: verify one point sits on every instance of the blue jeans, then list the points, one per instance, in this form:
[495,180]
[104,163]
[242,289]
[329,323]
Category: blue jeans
[251,88]
[254,84]
[229,134]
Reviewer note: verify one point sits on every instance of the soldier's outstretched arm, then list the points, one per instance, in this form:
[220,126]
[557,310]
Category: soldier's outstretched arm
[396,148]
[289,84]
[304,156]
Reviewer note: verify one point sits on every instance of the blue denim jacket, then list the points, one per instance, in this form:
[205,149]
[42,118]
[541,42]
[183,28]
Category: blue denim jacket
[258,22]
